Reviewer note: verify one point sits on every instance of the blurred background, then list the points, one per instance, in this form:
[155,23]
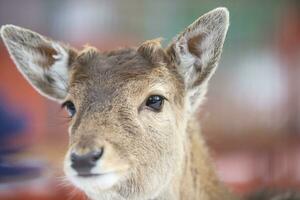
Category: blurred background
[251,118]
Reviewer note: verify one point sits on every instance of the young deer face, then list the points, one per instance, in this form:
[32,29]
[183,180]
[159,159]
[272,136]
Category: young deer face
[129,107]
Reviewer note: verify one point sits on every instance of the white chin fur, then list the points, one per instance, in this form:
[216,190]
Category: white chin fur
[94,184]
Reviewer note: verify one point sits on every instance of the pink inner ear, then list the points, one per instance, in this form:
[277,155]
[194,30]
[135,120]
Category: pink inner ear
[194,43]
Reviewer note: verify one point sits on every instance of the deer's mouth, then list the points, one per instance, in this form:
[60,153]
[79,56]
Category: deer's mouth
[89,175]
[93,175]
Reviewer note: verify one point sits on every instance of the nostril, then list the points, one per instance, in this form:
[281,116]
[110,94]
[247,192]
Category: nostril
[74,157]
[91,157]
[97,155]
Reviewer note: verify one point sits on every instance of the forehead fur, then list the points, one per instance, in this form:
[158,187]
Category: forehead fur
[129,62]
[134,67]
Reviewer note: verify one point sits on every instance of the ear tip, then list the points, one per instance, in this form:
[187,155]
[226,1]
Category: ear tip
[222,12]
[225,13]
[18,35]
[7,30]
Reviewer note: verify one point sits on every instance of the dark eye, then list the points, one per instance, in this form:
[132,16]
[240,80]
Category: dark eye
[70,107]
[155,102]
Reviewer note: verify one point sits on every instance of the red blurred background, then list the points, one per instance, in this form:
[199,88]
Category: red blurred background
[252,115]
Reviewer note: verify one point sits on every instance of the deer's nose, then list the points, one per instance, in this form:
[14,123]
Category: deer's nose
[84,163]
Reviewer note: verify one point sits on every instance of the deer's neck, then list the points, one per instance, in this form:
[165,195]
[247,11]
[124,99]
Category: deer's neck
[198,179]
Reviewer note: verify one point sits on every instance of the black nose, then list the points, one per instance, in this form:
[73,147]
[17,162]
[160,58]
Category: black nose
[84,163]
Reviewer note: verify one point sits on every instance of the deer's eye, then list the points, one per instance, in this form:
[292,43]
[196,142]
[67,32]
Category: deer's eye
[155,102]
[70,107]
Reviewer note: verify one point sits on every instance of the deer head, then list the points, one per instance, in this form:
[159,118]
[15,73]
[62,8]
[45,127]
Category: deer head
[129,108]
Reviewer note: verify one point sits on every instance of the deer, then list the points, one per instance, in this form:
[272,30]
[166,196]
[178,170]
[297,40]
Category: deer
[133,132]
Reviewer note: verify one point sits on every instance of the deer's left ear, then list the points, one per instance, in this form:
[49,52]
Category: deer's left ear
[197,50]
[45,63]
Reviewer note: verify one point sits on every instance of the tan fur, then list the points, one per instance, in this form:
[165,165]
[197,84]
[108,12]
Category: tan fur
[147,154]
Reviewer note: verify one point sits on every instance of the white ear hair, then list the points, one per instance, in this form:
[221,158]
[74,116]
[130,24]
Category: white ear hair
[59,71]
[43,62]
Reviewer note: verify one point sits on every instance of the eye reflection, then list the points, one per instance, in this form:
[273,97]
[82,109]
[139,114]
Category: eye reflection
[155,102]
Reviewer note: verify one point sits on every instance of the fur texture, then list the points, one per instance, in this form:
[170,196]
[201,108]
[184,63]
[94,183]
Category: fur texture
[147,155]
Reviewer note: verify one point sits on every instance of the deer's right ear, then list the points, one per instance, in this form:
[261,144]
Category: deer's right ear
[196,52]
[43,62]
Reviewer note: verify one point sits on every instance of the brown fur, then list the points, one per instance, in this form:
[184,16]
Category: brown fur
[154,155]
